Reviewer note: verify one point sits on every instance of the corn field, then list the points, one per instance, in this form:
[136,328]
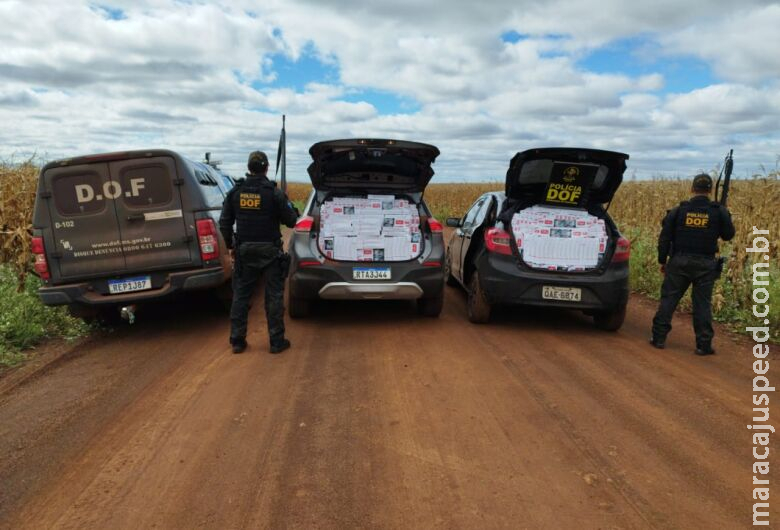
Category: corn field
[18,183]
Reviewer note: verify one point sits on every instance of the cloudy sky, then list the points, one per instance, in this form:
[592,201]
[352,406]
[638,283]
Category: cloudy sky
[674,84]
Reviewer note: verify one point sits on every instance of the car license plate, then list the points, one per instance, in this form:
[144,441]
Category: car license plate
[566,294]
[128,285]
[370,273]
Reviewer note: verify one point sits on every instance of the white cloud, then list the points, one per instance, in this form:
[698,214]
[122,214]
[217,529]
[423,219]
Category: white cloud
[198,77]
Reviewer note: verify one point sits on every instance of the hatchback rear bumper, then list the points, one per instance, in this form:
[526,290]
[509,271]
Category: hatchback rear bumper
[94,293]
[503,282]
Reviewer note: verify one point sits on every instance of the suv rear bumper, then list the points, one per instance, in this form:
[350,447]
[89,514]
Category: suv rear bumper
[86,293]
[371,291]
[504,283]
[410,282]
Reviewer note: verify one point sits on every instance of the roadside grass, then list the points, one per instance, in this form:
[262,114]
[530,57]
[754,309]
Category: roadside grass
[25,322]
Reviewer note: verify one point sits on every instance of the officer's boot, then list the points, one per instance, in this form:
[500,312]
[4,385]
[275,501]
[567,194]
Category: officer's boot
[658,342]
[704,349]
[279,346]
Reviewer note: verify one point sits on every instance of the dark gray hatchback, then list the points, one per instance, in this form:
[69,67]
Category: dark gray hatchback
[484,253]
[120,228]
[366,232]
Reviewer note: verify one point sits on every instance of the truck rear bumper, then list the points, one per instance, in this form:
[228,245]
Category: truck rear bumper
[86,292]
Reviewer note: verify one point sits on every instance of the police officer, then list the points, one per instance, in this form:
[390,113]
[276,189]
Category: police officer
[689,234]
[257,207]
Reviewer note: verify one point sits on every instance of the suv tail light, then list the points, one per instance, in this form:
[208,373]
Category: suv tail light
[40,266]
[304,224]
[622,250]
[435,226]
[207,239]
[498,241]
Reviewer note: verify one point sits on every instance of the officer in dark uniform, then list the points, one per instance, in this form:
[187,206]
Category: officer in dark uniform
[690,235]
[257,208]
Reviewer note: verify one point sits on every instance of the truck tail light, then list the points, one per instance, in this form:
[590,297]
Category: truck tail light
[435,226]
[304,224]
[207,239]
[498,241]
[622,250]
[40,265]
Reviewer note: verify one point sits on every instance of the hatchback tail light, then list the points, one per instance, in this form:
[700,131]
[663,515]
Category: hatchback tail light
[498,241]
[622,250]
[435,226]
[207,239]
[41,266]
[304,224]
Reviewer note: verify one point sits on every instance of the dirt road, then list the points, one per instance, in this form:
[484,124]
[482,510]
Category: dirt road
[379,418]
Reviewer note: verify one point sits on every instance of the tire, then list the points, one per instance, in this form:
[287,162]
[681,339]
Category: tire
[610,320]
[92,315]
[86,312]
[478,307]
[224,297]
[430,307]
[449,278]
[298,307]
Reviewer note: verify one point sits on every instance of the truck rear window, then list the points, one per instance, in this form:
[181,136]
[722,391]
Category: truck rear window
[146,186]
[78,194]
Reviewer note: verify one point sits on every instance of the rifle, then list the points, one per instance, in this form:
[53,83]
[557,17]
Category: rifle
[725,173]
[281,155]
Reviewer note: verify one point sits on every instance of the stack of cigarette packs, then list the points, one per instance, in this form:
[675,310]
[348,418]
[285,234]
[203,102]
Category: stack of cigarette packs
[375,228]
[561,239]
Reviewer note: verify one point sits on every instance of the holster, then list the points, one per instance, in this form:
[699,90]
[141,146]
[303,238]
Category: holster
[284,263]
[721,262]
[236,255]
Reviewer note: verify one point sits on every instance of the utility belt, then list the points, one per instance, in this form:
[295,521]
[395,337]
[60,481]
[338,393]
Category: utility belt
[277,243]
[720,261]
[695,255]
[280,255]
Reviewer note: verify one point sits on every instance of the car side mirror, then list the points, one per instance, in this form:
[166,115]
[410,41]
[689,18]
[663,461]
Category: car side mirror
[454,222]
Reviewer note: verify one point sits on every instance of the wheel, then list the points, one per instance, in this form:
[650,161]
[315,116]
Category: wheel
[430,307]
[86,312]
[449,278]
[610,320]
[298,307]
[478,306]
[224,297]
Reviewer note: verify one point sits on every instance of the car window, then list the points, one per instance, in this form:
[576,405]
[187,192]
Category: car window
[539,171]
[483,210]
[211,192]
[146,186]
[80,193]
[471,215]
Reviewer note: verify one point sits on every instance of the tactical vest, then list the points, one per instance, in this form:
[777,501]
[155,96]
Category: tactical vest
[257,219]
[697,228]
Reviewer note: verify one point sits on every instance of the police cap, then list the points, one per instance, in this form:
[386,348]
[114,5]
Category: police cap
[257,158]
[702,182]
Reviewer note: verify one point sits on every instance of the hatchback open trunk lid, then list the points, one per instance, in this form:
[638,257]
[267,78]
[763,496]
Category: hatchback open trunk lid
[597,173]
[372,164]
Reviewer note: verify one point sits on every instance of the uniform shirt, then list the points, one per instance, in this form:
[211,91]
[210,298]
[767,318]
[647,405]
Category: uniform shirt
[694,227]
[256,207]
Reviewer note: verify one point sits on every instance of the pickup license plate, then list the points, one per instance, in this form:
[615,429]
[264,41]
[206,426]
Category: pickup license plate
[566,294]
[141,283]
[370,273]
